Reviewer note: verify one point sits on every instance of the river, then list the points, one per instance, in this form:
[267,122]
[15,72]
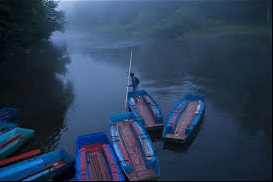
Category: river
[234,141]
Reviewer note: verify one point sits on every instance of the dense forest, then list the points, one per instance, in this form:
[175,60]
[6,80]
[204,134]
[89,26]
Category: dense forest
[25,51]
[174,19]
[30,64]
[25,22]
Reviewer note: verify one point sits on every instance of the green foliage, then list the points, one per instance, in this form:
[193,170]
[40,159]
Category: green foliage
[173,20]
[175,24]
[188,21]
[24,22]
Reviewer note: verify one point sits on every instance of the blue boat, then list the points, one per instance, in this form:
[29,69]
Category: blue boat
[184,118]
[6,126]
[96,159]
[13,140]
[146,109]
[42,167]
[8,113]
[134,148]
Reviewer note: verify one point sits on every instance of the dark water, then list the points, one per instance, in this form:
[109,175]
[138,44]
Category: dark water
[234,141]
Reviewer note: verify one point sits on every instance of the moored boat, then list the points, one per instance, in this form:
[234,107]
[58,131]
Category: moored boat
[6,126]
[146,109]
[13,140]
[184,118]
[19,157]
[8,113]
[42,167]
[134,148]
[96,159]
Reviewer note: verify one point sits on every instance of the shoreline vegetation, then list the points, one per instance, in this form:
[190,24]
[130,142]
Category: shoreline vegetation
[235,31]
[177,20]
[26,51]
[225,31]
[24,23]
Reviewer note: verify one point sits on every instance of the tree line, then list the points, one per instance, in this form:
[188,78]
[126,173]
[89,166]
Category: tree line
[22,23]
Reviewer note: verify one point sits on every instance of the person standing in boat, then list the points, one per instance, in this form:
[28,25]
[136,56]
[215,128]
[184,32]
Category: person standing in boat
[134,84]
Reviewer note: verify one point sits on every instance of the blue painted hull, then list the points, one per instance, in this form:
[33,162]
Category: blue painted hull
[98,146]
[146,110]
[133,147]
[8,113]
[184,118]
[6,126]
[43,167]
[13,140]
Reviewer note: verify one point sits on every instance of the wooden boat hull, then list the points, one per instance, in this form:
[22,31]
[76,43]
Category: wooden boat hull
[6,126]
[146,110]
[43,167]
[96,159]
[134,148]
[8,113]
[184,118]
[13,140]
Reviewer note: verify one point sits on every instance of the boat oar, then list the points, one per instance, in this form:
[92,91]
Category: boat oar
[128,79]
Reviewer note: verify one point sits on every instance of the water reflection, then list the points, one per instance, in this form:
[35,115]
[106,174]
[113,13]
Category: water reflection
[234,141]
[202,70]
[32,86]
[156,136]
[198,65]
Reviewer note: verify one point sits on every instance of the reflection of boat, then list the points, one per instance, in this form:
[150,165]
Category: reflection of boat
[7,113]
[156,135]
[184,118]
[13,140]
[6,126]
[42,167]
[146,109]
[96,159]
[133,147]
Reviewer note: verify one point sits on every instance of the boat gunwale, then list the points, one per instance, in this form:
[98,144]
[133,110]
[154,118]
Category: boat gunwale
[120,119]
[47,158]
[190,97]
[97,139]
[158,117]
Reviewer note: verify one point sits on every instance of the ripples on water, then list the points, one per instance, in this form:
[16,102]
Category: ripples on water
[234,138]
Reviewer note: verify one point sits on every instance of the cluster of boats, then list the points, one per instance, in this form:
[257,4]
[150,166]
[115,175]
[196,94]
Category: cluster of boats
[128,155]
[30,166]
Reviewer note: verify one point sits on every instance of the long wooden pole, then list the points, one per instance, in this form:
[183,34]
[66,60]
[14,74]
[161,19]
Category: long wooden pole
[128,80]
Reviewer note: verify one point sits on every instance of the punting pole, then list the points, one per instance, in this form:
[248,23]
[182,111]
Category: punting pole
[128,79]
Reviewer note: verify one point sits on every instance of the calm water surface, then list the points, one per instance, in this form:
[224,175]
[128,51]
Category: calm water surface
[234,140]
